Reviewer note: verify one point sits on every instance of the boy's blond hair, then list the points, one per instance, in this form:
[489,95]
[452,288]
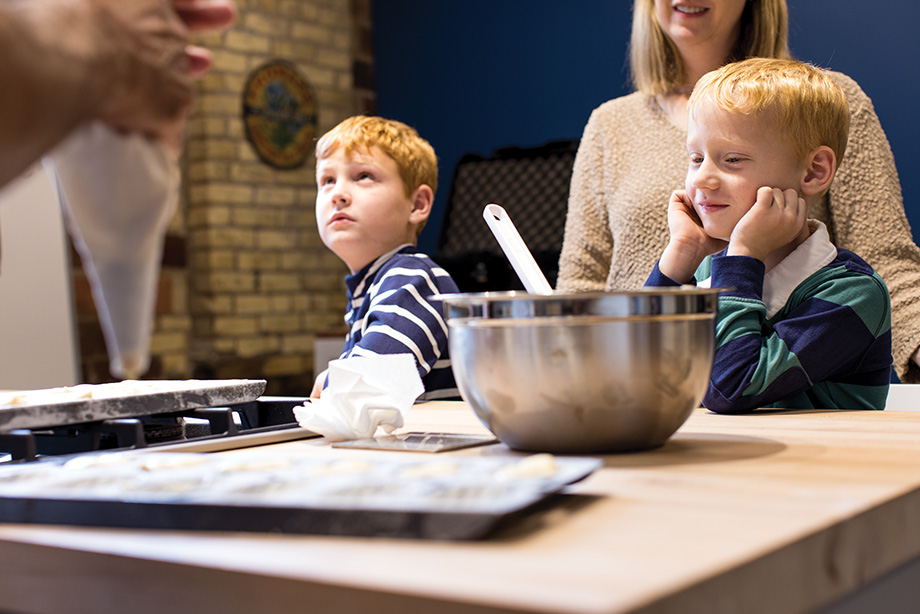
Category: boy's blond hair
[414,156]
[804,103]
[656,66]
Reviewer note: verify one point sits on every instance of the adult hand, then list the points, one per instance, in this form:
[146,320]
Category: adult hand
[199,16]
[689,243]
[776,219]
[151,64]
[126,62]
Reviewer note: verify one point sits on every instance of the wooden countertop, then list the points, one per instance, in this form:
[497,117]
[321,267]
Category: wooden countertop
[771,512]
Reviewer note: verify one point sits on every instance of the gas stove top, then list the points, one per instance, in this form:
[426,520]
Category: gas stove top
[205,415]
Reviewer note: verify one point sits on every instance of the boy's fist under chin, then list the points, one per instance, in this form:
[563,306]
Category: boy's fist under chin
[776,219]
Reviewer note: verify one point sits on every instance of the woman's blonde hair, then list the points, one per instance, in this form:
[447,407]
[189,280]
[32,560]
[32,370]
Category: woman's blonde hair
[801,101]
[656,66]
[414,156]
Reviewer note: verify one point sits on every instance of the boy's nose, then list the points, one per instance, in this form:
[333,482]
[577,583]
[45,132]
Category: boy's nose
[340,198]
[705,177]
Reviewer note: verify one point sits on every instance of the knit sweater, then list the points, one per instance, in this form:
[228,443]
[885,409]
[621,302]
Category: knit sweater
[812,332]
[391,311]
[631,158]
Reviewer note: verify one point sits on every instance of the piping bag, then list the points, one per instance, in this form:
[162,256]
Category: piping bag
[118,193]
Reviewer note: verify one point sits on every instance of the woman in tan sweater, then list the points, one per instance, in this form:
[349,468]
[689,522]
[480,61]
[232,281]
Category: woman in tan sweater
[633,155]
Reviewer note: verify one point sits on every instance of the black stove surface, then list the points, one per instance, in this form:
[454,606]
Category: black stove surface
[217,425]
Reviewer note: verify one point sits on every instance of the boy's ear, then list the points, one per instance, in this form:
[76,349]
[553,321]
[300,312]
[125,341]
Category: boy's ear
[422,200]
[821,164]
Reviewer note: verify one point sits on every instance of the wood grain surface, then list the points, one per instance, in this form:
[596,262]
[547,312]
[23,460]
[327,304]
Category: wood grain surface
[769,512]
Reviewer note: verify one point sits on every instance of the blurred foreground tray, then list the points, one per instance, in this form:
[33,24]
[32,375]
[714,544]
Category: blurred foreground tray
[356,493]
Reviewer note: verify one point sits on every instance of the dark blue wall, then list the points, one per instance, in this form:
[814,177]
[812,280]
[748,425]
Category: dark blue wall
[474,75]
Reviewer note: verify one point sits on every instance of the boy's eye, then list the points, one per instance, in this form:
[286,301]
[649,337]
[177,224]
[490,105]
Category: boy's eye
[364,175]
[326,180]
[733,159]
[696,159]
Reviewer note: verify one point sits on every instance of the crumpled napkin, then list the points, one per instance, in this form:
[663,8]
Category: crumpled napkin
[363,393]
[118,192]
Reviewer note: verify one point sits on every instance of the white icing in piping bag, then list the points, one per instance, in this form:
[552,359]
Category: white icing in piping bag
[118,193]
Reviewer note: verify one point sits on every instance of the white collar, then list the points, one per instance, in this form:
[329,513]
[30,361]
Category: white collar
[812,255]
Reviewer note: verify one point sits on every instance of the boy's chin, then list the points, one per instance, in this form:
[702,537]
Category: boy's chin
[716,233]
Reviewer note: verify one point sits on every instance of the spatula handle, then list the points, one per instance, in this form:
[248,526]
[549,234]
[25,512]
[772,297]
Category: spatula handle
[516,250]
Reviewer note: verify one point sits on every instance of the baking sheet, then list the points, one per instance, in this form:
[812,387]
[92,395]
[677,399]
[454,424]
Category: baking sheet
[358,493]
[129,399]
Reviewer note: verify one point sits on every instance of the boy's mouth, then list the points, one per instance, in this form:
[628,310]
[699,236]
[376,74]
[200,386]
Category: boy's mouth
[340,218]
[707,207]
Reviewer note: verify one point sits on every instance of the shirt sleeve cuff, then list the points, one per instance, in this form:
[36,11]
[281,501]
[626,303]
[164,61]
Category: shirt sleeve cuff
[741,275]
[658,279]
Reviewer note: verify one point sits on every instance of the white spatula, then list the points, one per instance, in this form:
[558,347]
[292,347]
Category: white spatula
[516,250]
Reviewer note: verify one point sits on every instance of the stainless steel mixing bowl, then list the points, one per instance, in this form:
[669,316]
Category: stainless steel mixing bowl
[583,373]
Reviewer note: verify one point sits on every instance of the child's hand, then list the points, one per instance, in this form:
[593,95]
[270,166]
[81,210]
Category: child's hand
[689,243]
[775,220]
[318,384]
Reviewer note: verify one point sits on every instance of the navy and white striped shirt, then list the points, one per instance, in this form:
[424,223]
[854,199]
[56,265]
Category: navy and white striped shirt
[390,311]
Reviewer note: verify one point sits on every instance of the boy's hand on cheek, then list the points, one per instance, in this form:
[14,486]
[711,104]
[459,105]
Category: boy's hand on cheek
[689,243]
[774,221]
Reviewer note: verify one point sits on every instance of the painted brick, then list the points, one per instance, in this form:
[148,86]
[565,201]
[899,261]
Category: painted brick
[276,239]
[175,366]
[246,42]
[285,365]
[162,343]
[259,260]
[310,31]
[256,346]
[208,216]
[295,344]
[251,173]
[221,193]
[271,195]
[215,259]
[235,326]
[279,323]
[226,60]
[263,24]
[279,282]
[226,282]
[207,170]
[219,103]
[253,304]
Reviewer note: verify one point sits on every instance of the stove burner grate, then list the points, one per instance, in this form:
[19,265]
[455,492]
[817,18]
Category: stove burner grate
[262,415]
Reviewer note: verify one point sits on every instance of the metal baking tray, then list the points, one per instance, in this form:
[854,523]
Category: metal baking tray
[130,399]
[353,492]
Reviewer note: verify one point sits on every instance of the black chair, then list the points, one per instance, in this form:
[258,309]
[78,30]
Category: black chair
[532,184]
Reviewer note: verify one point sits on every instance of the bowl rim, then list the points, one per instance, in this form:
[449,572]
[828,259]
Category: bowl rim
[461,298]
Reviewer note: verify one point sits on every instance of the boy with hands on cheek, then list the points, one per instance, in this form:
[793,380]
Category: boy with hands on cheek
[801,324]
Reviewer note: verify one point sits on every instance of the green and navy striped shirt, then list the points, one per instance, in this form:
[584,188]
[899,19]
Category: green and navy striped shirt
[814,332]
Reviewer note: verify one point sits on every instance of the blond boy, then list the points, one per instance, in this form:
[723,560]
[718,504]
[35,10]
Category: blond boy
[376,180]
[801,324]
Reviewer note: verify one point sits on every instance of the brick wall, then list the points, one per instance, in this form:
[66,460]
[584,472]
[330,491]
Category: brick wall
[246,282]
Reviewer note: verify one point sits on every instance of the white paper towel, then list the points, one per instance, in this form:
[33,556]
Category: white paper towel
[118,193]
[363,393]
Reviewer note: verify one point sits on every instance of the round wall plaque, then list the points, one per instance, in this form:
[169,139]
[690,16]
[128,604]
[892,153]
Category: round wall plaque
[279,113]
